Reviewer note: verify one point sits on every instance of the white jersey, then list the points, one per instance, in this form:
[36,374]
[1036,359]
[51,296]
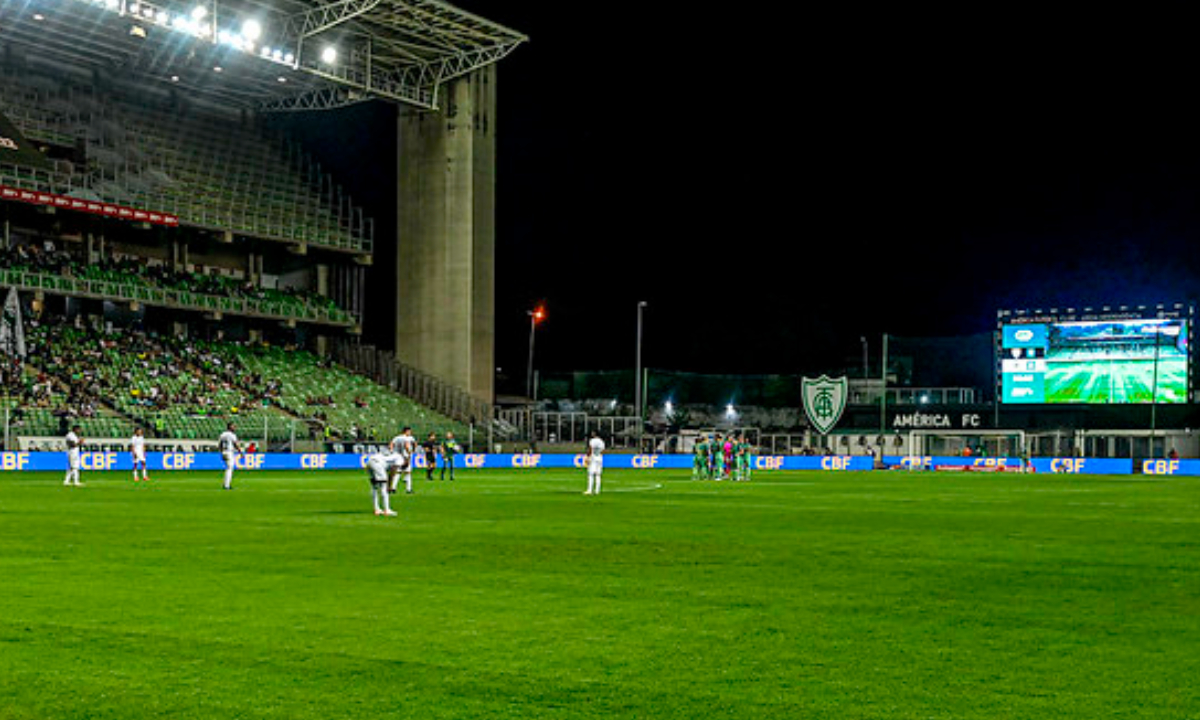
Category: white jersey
[73,443]
[227,443]
[595,454]
[404,446]
[137,446]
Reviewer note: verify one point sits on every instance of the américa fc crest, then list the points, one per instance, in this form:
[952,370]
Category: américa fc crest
[824,401]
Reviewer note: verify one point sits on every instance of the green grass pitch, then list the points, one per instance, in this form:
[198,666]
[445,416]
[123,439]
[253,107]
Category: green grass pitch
[511,595]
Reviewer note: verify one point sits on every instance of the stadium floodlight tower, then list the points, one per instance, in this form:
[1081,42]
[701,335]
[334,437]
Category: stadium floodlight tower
[436,61]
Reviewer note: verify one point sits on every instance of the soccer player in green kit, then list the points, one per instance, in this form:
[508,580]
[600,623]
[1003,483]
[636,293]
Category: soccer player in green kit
[450,448]
[718,454]
[742,459]
[700,459]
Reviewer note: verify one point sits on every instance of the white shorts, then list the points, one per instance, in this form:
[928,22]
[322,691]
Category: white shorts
[230,459]
[139,458]
[73,459]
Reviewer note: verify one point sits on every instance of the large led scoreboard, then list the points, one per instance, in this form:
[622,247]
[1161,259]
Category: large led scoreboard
[1107,355]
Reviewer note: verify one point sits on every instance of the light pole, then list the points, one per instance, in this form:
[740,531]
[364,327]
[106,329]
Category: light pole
[536,315]
[637,379]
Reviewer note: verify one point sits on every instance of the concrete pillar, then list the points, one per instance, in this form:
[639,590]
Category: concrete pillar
[445,301]
[323,280]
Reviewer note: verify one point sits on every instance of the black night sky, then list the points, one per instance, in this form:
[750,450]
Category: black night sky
[777,190]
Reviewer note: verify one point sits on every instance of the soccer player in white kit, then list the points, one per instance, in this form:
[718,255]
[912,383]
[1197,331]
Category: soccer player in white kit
[230,448]
[381,467]
[595,464]
[404,446]
[74,443]
[137,449]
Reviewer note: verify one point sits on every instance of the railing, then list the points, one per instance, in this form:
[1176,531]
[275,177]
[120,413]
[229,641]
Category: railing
[181,299]
[438,395]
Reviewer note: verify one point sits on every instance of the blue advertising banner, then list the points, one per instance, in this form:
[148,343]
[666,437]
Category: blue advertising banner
[93,461]
[1170,467]
[1073,466]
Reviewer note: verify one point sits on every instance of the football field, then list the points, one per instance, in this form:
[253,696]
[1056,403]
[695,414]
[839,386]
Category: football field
[511,595]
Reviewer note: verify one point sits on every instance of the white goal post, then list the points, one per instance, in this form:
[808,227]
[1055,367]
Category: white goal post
[994,443]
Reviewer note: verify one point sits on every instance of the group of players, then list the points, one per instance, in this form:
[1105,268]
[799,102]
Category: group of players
[227,444]
[385,468]
[722,458]
[398,460]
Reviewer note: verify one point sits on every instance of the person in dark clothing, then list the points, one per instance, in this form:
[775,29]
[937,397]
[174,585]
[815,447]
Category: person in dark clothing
[430,447]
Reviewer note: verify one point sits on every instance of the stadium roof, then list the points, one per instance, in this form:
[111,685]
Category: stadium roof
[278,55]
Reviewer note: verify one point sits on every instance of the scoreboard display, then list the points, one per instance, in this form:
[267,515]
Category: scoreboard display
[1110,356]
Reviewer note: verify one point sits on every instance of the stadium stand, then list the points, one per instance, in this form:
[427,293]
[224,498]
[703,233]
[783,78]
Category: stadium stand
[147,154]
[128,279]
[188,389]
[229,311]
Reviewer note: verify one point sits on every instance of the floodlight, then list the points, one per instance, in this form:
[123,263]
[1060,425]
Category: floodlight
[329,55]
[289,58]
[39,17]
[252,30]
[199,13]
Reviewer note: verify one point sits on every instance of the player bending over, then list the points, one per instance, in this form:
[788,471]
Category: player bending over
[381,467]
[230,448]
[595,464]
[137,449]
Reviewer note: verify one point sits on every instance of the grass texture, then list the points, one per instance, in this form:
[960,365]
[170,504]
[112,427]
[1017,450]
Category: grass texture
[511,595]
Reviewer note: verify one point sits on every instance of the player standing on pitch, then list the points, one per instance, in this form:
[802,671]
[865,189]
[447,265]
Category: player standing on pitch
[404,445]
[74,445]
[137,449]
[450,448]
[430,447]
[700,458]
[230,448]
[595,464]
[718,455]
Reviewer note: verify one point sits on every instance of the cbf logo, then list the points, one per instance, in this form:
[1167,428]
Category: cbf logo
[824,401]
